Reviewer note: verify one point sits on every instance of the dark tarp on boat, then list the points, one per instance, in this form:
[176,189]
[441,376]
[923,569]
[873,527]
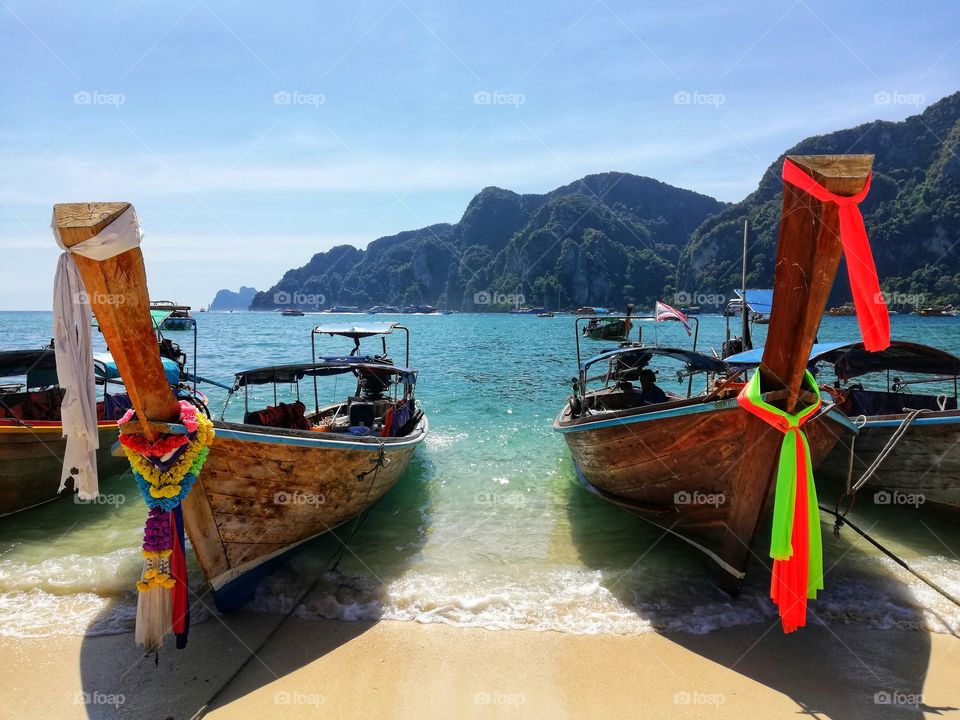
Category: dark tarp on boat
[851,359]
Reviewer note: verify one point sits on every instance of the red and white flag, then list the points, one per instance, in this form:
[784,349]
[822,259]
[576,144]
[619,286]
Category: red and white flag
[665,312]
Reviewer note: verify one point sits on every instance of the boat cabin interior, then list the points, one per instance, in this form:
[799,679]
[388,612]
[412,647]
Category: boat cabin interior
[628,378]
[380,403]
[906,376]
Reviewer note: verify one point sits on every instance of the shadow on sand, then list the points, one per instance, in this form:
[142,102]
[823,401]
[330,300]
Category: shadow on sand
[252,643]
[831,668]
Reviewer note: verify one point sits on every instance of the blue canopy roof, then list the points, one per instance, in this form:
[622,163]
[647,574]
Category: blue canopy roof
[759,301]
[851,359]
[108,367]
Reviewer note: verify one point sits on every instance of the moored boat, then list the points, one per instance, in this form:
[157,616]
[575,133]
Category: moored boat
[702,467]
[905,453]
[292,312]
[938,311]
[177,316]
[609,327]
[272,482]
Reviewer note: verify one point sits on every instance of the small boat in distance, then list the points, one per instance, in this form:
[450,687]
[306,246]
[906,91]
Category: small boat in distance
[292,312]
[343,309]
[546,314]
[178,316]
[384,309]
[283,475]
[938,311]
[609,327]
[419,310]
[845,310]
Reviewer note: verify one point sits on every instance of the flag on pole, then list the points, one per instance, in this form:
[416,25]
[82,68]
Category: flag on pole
[665,312]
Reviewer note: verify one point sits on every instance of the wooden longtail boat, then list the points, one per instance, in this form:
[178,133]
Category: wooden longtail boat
[610,327]
[31,434]
[279,478]
[917,433]
[702,467]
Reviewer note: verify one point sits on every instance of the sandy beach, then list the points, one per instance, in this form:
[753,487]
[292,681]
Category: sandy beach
[310,668]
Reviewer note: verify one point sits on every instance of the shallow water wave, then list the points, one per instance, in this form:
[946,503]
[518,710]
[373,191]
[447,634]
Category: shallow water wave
[488,527]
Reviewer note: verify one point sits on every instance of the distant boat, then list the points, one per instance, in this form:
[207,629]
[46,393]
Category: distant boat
[587,310]
[528,311]
[420,310]
[845,310]
[609,328]
[391,309]
[938,311]
[292,312]
[178,316]
[546,314]
[345,309]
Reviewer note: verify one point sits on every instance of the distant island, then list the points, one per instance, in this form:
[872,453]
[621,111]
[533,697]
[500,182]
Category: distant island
[227,300]
[613,238]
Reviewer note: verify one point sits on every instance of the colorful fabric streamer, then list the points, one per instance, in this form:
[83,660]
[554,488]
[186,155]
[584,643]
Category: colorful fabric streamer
[165,471]
[795,543]
[871,309]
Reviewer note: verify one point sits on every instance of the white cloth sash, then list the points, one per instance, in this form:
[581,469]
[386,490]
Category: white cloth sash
[74,353]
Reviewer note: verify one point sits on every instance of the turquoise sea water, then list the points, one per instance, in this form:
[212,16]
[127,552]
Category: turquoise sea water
[488,527]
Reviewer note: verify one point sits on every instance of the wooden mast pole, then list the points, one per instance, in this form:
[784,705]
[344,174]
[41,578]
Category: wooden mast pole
[117,288]
[808,255]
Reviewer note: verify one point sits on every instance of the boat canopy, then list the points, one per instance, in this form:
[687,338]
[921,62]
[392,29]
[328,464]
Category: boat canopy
[106,366]
[851,359]
[157,316]
[639,356]
[759,301]
[21,362]
[323,367]
[357,331]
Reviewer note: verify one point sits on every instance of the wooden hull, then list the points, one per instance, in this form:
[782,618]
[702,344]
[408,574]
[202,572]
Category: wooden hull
[922,472]
[263,492]
[676,467]
[31,460]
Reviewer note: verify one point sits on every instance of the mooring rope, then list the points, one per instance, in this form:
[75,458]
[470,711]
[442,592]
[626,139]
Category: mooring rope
[841,520]
[381,461]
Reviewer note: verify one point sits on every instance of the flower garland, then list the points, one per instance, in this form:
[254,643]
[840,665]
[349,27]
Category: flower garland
[165,471]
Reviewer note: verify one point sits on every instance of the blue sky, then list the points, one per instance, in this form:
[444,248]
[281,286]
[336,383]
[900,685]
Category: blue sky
[251,135]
